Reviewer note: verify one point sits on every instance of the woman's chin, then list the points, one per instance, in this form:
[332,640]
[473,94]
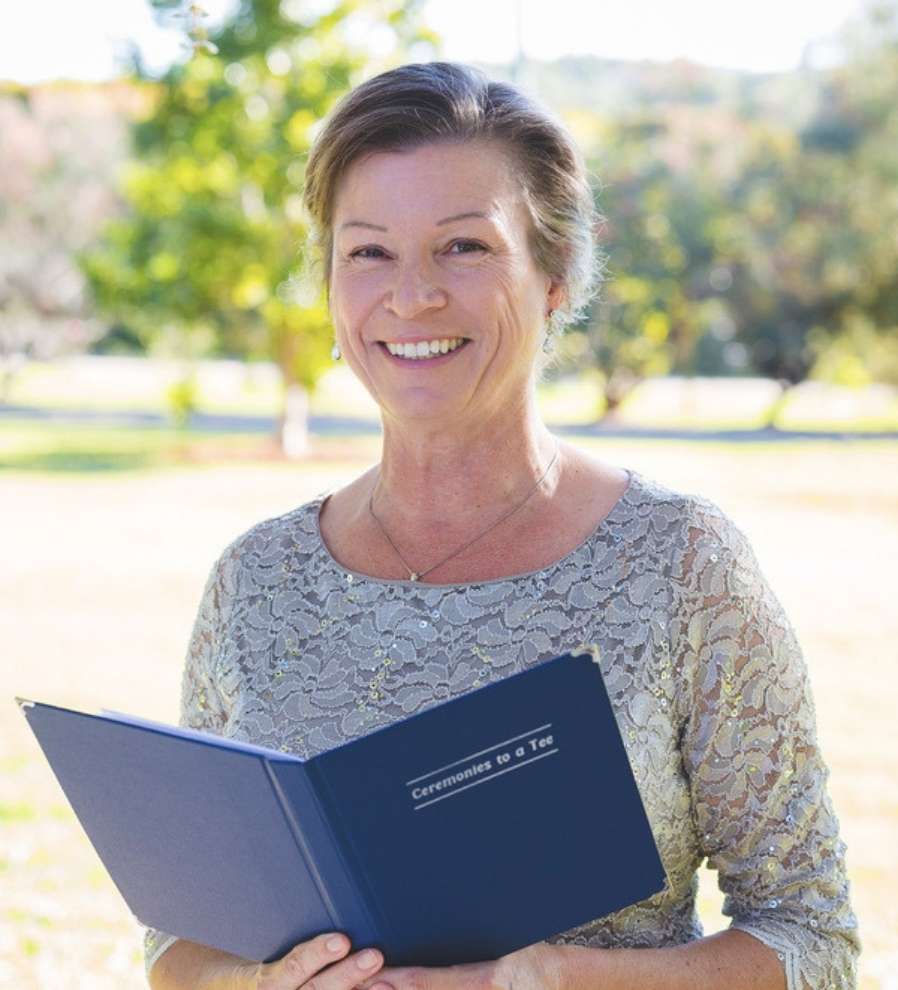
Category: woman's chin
[442,411]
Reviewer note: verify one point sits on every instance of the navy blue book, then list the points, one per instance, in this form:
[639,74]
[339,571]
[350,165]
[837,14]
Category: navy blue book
[469,830]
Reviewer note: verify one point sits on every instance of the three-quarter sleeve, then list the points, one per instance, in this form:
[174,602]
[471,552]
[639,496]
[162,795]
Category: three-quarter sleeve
[756,774]
[202,706]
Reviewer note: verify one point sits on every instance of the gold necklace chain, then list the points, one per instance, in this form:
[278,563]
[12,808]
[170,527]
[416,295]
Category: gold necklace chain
[416,575]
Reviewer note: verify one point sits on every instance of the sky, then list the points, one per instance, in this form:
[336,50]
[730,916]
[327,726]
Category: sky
[79,39]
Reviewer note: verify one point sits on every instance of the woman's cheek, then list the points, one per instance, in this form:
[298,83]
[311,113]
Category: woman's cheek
[508,320]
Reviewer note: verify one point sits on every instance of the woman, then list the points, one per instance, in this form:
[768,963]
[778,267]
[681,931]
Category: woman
[456,223]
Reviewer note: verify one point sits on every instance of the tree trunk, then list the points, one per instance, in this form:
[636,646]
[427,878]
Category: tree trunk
[617,387]
[10,366]
[295,422]
[774,410]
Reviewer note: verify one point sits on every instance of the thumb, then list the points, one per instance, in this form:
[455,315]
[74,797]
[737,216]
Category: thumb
[299,965]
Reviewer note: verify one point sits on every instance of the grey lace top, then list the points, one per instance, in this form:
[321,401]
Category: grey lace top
[293,651]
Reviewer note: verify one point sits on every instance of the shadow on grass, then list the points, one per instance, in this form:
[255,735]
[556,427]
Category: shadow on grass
[81,461]
[65,449]
[60,448]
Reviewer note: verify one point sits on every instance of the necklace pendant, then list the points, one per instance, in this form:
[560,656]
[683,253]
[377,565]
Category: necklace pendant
[413,576]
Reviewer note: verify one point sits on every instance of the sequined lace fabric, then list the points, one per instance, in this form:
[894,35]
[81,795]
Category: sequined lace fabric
[708,682]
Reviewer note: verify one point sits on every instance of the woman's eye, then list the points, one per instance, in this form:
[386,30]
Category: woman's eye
[360,253]
[473,244]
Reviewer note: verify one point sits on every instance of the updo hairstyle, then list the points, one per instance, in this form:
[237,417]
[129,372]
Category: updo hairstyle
[421,103]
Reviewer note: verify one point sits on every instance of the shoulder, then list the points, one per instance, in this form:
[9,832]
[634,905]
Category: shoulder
[694,529]
[690,510]
[266,543]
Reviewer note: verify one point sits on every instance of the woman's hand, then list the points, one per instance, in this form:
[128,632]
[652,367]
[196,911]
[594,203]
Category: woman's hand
[316,965]
[531,968]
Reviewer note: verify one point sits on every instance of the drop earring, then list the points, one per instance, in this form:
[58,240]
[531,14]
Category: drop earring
[550,331]
[336,353]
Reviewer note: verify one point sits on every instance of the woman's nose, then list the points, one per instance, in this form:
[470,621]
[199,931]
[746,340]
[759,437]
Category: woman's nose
[414,290]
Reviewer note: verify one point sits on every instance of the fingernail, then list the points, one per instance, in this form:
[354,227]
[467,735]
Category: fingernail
[367,959]
[334,943]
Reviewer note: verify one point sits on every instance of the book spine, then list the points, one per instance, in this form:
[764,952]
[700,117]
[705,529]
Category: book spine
[375,920]
[304,845]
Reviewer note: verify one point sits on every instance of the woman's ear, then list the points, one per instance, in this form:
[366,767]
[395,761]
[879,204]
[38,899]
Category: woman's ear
[555,295]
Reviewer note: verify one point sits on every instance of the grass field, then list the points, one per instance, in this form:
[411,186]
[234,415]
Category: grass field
[236,388]
[104,550]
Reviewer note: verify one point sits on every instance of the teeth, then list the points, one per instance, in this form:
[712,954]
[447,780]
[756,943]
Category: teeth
[425,349]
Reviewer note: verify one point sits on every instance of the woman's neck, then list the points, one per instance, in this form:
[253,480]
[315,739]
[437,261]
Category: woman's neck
[460,477]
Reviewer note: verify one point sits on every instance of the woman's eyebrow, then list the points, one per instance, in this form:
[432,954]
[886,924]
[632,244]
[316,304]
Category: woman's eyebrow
[456,216]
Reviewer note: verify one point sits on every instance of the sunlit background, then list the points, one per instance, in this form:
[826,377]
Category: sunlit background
[166,380]
[87,38]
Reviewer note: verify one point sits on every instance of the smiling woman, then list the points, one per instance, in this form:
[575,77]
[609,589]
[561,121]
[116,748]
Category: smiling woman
[455,228]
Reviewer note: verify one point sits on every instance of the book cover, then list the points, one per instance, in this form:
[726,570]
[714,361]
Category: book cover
[468,830]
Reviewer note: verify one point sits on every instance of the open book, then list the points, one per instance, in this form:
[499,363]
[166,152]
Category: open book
[468,830]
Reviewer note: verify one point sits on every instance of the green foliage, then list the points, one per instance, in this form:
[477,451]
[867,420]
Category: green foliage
[852,356]
[17,812]
[741,243]
[182,398]
[206,260]
[665,207]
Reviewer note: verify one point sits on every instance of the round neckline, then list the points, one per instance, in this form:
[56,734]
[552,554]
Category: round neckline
[610,516]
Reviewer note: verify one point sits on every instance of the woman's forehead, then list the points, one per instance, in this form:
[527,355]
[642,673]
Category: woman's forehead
[433,183]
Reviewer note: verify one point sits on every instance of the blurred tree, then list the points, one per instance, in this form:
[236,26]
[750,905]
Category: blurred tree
[56,190]
[768,243]
[661,198]
[739,244]
[207,262]
[810,237]
[856,130]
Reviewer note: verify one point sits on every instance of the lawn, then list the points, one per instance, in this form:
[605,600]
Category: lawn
[106,542]
[254,389]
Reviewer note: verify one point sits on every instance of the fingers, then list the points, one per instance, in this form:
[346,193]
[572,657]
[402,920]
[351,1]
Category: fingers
[321,963]
[376,982]
[350,972]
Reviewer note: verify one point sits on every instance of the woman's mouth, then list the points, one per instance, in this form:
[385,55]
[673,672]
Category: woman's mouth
[423,350]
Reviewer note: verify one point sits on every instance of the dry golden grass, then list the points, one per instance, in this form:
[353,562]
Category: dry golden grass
[100,577]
